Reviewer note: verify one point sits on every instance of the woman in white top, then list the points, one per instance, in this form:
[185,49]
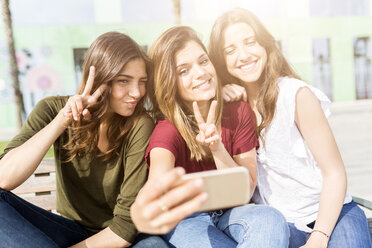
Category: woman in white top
[300,170]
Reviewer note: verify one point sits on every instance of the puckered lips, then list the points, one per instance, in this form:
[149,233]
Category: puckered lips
[131,104]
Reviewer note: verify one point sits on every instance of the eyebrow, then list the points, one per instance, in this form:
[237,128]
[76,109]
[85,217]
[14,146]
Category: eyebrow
[247,38]
[202,55]
[129,76]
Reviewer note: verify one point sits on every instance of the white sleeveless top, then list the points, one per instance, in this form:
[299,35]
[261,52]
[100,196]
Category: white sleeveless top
[288,177]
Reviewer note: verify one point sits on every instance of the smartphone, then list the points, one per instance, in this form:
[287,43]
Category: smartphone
[226,187]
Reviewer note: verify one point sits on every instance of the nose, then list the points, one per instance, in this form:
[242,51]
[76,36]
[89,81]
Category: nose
[199,71]
[243,53]
[134,91]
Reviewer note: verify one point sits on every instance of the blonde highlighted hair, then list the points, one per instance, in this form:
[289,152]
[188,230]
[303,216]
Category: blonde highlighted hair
[171,105]
[276,65]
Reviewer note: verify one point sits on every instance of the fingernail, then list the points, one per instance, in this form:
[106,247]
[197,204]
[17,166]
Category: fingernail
[204,196]
[180,171]
[198,183]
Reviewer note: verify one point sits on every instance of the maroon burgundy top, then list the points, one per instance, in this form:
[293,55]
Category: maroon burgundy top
[238,127]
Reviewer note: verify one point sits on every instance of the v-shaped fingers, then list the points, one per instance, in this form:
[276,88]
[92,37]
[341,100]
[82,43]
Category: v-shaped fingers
[212,112]
[94,97]
[198,117]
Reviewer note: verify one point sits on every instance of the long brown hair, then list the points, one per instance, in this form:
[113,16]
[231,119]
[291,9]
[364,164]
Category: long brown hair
[109,53]
[171,105]
[276,65]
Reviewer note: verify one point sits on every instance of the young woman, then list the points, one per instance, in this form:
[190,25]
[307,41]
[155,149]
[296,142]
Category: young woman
[300,170]
[99,137]
[198,132]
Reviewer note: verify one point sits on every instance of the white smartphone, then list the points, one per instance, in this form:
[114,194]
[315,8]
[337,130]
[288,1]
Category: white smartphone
[226,188]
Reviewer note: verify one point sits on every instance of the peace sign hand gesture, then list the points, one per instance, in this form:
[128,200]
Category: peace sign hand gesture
[208,133]
[77,105]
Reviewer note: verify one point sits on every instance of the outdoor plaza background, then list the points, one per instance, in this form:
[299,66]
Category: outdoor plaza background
[327,41]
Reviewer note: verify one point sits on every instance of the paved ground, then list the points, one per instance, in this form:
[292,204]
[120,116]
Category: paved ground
[352,126]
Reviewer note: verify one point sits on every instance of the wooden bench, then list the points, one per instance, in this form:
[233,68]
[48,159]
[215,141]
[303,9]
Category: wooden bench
[40,188]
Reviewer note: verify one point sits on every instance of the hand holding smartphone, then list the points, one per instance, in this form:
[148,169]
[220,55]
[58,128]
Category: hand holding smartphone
[225,188]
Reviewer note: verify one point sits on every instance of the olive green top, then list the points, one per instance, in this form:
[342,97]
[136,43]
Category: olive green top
[90,191]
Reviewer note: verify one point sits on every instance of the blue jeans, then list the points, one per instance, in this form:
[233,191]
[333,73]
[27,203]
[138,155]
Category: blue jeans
[245,226]
[23,224]
[351,230]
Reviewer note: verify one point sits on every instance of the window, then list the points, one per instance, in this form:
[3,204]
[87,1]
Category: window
[322,73]
[362,67]
[79,55]
[323,8]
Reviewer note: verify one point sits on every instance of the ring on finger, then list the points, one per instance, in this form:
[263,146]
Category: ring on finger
[163,207]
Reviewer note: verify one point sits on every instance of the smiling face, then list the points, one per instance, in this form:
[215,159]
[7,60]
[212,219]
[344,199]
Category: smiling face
[196,76]
[245,57]
[128,88]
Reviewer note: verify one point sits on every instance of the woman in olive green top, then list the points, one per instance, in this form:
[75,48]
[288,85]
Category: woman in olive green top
[99,137]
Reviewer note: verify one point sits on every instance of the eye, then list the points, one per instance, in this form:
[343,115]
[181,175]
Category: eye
[142,82]
[229,50]
[204,61]
[183,71]
[250,42]
[123,81]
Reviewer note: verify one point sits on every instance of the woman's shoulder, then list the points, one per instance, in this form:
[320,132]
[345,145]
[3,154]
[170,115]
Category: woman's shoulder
[55,100]
[47,108]
[288,84]
[144,126]
[53,103]
[233,106]
[165,127]
[288,89]
[165,135]
[146,120]
[239,107]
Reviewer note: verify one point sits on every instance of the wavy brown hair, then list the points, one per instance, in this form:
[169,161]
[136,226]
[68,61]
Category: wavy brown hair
[109,53]
[162,53]
[276,65]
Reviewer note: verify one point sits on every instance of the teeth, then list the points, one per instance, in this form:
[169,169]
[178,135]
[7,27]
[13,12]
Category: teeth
[205,84]
[247,67]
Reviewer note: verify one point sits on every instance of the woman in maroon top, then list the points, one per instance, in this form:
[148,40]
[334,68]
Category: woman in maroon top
[199,132]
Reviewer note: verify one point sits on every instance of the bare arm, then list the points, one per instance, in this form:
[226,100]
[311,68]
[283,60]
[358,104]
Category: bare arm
[104,239]
[19,163]
[317,133]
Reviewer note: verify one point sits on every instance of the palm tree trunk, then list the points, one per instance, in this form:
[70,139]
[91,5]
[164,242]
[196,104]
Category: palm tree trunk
[177,11]
[13,61]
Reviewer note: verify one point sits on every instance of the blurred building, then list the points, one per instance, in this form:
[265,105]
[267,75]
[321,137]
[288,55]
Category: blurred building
[327,41]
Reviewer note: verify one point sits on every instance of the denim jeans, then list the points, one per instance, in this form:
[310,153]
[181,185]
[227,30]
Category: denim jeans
[245,226]
[23,224]
[351,230]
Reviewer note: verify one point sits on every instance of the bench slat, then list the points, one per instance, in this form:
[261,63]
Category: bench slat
[46,166]
[37,184]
